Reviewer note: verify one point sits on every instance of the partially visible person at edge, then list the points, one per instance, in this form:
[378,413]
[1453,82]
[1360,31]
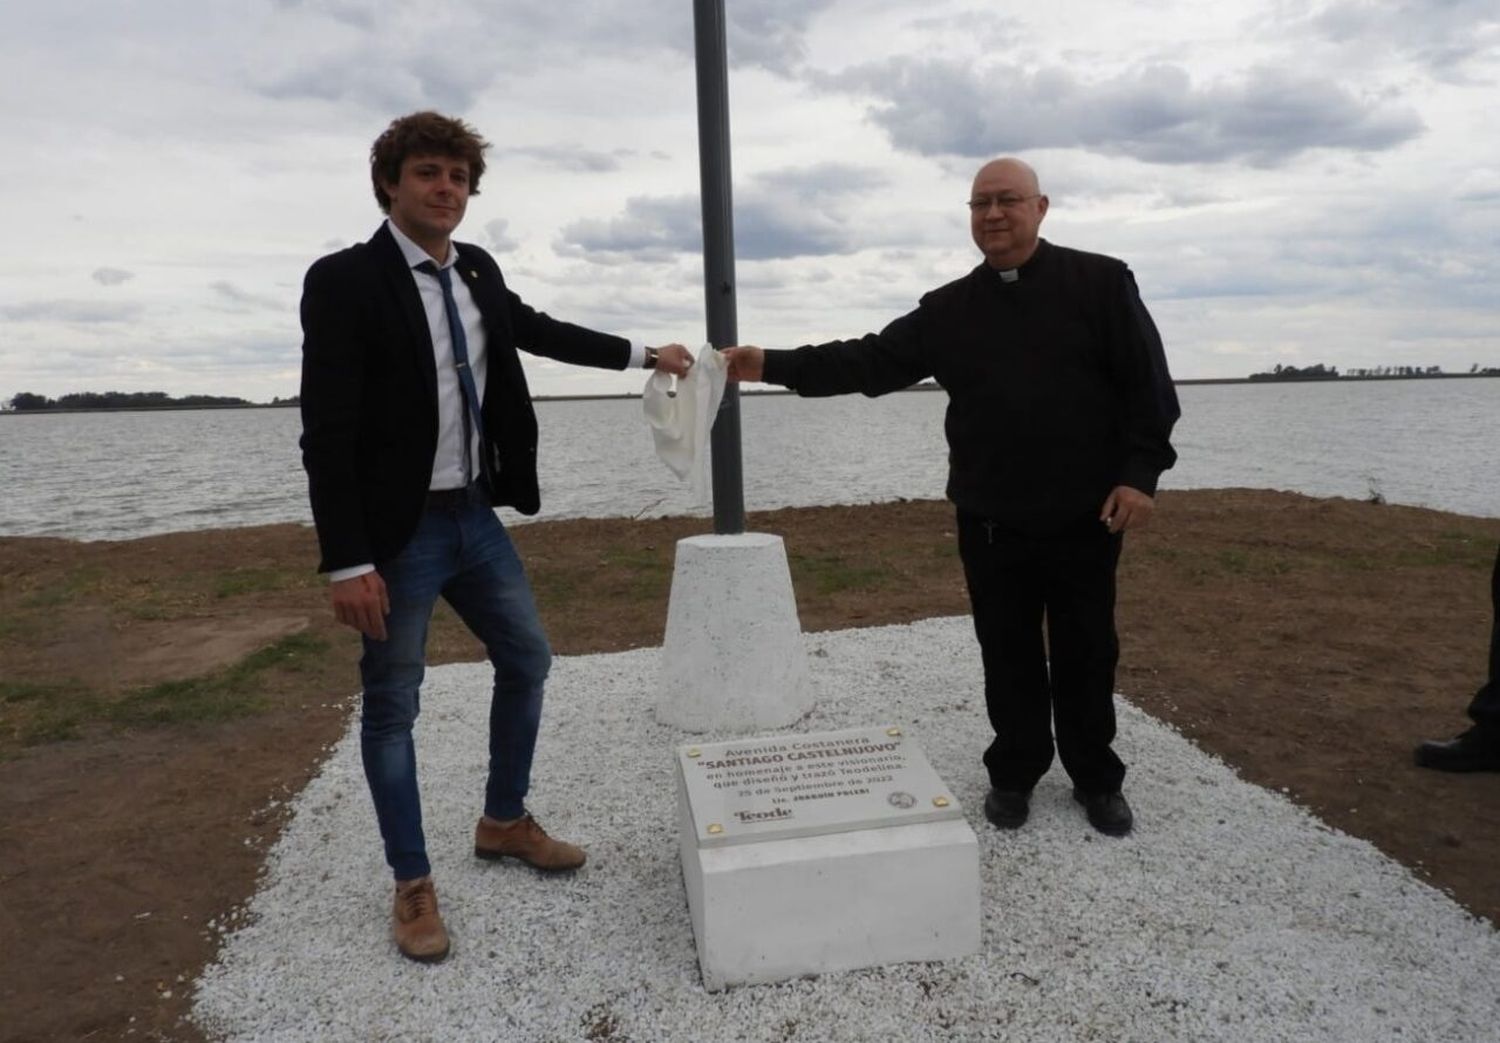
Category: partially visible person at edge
[1060,411]
[1478,748]
[417,423]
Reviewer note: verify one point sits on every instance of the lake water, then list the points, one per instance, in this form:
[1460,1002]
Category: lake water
[120,475]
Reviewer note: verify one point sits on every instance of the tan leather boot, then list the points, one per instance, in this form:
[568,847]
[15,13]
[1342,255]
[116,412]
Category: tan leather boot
[419,930]
[526,840]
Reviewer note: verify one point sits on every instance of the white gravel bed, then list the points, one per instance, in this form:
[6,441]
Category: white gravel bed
[1230,914]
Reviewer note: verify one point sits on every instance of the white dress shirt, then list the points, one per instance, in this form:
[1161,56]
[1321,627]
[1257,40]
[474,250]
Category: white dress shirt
[449,462]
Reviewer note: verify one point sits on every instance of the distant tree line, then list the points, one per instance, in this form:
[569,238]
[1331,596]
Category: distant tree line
[26,402]
[1475,370]
[1322,372]
[1315,372]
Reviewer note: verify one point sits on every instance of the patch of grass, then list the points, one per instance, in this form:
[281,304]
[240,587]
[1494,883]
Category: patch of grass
[21,692]
[637,573]
[1200,566]
[152,610]
[552,587]
[84,578]
[47,597]
[295,652]
[54,727]
[34,714]
[222,696]
[1254,562]
[641,560]
[1236,562]
[1157,551]
[834,573]
[1449,549]
[258,580]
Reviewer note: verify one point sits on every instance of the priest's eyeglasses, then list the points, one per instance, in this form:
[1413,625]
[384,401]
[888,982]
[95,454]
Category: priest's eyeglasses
[982,204]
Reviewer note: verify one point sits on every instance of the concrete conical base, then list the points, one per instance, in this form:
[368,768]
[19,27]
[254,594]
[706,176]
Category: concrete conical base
[732,660]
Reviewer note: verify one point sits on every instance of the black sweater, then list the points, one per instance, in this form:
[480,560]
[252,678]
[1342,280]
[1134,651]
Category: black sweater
[1057,385]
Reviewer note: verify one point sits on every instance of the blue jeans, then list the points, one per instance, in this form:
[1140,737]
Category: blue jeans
[465,555]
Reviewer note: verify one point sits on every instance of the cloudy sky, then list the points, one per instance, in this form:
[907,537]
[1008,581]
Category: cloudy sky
[1293,181]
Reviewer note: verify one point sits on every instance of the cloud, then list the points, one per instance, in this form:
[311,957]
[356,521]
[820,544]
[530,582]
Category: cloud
[357,15]
[72,311]
[1154,113]
[653,228]
[770,33]
[569,157]
[395,56]
[384,57]
[772,226]
[795,212]
[1442,35]
[820,182]
[414,78]
[244,299]
[497,237]
[111,276]
[1479,186]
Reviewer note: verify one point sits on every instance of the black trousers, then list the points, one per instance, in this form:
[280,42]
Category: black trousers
[1485,709]
[1067,578]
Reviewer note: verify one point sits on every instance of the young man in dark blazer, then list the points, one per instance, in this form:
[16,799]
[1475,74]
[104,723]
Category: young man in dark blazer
[1060,414]
[417,423]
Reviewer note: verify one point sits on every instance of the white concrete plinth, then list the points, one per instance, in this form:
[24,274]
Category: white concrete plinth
[732,659]
[773,910]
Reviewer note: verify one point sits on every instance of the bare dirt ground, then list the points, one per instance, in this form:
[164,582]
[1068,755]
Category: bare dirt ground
[160,699]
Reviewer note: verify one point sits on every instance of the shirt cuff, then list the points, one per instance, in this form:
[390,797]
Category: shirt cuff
[339,575]
[637,356]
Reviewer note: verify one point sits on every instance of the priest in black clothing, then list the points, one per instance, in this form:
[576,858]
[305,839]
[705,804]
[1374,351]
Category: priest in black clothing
[1060,413]
[1477,749]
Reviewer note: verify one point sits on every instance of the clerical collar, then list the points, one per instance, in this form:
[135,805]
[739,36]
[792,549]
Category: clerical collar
[1010,275]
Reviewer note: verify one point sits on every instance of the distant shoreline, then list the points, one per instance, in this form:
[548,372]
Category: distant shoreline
[1263,382]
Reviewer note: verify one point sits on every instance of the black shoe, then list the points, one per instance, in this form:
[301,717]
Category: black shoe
[1007,808]
[1108,812]
[1469,752]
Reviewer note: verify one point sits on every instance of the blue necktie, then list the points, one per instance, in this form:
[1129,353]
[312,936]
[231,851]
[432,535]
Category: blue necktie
[472,413]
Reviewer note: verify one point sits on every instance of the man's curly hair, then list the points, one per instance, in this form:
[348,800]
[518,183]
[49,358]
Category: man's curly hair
[424,134]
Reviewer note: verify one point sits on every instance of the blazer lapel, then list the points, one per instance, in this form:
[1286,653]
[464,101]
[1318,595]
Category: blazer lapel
[403,289]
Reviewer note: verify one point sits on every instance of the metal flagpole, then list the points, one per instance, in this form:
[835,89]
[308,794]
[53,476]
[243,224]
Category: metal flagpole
[732,656]
[718,253]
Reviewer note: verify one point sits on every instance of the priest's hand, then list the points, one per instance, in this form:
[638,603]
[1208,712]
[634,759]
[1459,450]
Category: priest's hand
[1126,508]
[746,362]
